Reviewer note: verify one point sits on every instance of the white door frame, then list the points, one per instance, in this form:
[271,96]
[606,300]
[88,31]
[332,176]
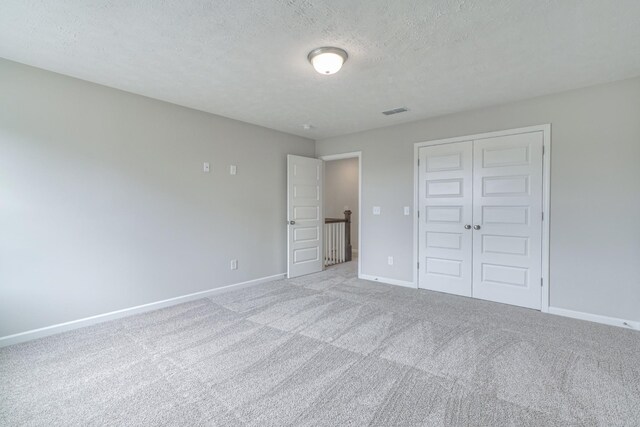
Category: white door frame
[351,155]
[546,187]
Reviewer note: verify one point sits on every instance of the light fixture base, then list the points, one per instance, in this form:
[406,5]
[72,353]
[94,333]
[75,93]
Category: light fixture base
[327,60]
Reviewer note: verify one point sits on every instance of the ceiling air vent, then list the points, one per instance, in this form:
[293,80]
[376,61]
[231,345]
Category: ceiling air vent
[395,111]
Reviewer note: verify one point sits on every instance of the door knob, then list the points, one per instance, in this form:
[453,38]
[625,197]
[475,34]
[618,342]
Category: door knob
[292,222]
[476,227]
[467,226]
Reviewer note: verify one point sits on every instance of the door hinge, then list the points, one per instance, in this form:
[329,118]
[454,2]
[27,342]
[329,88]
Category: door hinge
[418,214]
[543,150]
[541,280]
[543,216]
[418,162]
[418,266]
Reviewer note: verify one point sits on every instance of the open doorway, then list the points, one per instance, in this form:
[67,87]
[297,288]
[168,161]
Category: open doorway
[342,184]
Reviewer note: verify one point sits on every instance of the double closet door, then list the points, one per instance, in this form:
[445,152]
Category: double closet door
[480,224]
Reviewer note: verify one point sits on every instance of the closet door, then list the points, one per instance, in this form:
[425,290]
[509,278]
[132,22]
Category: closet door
[445,209]
[507,212]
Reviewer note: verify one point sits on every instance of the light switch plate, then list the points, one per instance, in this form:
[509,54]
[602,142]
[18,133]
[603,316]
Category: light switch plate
[233,170]
[376,210]
[234,264]
[205,167]
[407,210]
[390,260]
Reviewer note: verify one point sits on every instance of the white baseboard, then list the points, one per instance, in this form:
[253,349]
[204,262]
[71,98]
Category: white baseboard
[387,280]
[87,321]
[613,321]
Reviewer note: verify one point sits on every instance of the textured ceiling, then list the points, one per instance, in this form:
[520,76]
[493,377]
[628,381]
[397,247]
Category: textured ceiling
[247,59]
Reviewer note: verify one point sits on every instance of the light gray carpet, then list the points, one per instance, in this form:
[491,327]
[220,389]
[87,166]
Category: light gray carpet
[327,349]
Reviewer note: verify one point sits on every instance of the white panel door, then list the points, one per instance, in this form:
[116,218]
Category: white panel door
[507,212]
[445,218]
[305,215]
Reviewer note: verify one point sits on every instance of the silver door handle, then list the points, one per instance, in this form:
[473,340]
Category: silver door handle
[467,226]
[292,222]
[476,227]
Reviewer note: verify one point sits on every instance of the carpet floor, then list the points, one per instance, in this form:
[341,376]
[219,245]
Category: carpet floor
[327,349]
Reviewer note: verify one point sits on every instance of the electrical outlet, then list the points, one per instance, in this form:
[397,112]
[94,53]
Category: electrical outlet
[234,264]
[390,260]
[376,210]
[205,167]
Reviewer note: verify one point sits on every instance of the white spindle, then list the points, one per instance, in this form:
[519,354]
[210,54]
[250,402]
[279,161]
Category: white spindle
[327,227]
[326,243]
[330,244]
[341,243]
[335,242]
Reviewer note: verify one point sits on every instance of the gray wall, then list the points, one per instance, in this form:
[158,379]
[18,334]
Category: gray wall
[595,191]
[340,190]
[104,205]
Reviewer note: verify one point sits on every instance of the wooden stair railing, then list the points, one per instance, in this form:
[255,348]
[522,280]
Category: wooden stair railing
[337,239]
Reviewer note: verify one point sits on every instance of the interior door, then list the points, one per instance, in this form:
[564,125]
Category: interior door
[445,218]
[305,215]
[507,212]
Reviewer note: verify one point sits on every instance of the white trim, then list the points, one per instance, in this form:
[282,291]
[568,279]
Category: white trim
[606,320]
[546,208]
[87,321]
[351,155]
[546,188]
[386,280]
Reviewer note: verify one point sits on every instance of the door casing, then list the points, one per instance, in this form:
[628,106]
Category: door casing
[546,187]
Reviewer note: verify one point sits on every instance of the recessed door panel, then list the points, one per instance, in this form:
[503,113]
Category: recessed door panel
[441,240]
[306,234]
[505,186]
[451,214]
[306,192]
[504,215]
[444,162]
[444,187]
[505,156]
[305,255]
[509,245]
[444,267]
[302,213]
[505,275]
[445,200]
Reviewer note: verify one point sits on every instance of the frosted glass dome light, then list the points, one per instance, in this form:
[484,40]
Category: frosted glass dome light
[327,60]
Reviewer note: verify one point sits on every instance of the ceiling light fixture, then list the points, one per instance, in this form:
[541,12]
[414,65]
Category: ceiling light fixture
[327,60]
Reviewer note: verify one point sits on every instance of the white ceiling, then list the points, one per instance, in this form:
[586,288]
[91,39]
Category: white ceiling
[247,59]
